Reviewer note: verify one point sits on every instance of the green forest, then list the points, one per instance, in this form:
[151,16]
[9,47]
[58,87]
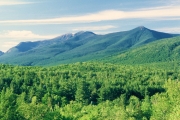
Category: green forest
[89,91]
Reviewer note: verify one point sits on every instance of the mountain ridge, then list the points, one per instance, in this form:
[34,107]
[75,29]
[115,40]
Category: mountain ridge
[79,47]
[1,53]
[25,46]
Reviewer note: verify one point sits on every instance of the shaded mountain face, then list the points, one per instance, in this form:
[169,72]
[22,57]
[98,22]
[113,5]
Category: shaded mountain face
[1,53]
[82,46]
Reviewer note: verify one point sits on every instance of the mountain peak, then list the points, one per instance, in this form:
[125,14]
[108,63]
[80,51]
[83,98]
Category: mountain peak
[141,28]
[83,32]
[70,35]
[65,36]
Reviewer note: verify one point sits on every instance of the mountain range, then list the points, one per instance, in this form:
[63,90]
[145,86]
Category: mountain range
[86,46]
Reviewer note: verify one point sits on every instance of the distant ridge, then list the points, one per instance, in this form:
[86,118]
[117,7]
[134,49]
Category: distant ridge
[78,47]
[26,46]
[1,53]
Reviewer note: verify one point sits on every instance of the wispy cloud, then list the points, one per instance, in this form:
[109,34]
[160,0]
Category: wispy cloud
[156,13]
[170,29]
[12,2]
[20,35]
[6,45]
[167,19]
[9,39]
[94,28]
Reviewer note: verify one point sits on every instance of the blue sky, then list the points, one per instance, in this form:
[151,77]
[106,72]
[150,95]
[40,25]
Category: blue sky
[31,20]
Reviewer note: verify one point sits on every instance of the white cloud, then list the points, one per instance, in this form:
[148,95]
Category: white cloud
[170,30]
[9,44]
[20,35]
[4,46]
[94,28]
[156,13]
[9,39]
[12,2]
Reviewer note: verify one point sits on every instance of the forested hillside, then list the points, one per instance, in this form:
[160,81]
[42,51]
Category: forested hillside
[164,50]
[89,91]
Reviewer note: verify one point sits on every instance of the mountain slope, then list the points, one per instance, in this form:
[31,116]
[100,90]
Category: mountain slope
[26,46]
[82,46]
[165,50]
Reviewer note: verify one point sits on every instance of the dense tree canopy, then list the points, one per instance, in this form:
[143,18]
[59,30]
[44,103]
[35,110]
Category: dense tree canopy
[89,91]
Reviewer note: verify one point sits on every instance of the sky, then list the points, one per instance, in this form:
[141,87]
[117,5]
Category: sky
[32,20]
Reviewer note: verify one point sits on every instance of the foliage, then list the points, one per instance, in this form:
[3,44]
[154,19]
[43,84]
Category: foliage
[89,91]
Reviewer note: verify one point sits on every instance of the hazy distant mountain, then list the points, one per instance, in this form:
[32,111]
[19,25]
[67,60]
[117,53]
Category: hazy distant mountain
[26,46]
[1,53]
[82,46]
